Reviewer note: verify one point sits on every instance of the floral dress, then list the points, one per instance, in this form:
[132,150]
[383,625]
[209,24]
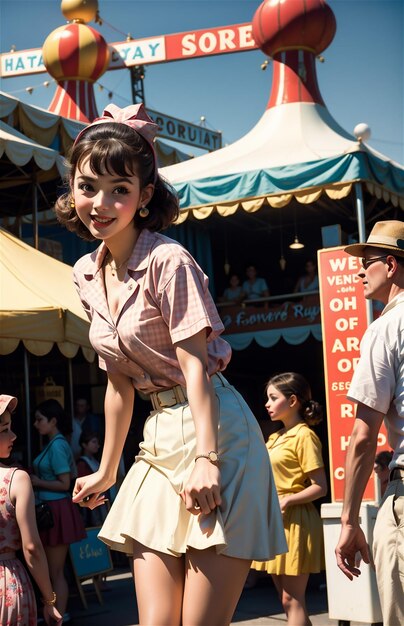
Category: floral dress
[17,599]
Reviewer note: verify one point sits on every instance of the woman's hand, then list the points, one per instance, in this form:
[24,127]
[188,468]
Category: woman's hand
[35,480]
[202,491]
[88,490]
[285,503]
[51,615]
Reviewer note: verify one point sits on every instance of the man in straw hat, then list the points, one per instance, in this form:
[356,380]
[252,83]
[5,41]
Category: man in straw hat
[378,389]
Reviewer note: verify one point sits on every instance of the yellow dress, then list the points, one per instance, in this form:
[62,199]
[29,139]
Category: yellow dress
[293,454]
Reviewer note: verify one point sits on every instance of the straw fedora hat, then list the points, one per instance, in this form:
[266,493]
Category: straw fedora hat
[388,236]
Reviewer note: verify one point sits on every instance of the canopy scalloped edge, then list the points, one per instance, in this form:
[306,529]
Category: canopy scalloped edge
[268,338]
[335,191]
[20,149]
[40,348]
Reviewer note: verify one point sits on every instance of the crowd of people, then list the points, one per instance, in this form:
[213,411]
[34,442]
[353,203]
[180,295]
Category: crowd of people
[206,498]
[255,287]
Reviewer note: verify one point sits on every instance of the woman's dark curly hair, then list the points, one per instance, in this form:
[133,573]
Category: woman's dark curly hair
[293,384]
[115,148]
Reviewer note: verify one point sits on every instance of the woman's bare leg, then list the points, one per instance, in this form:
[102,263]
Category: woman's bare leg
[213,585]
[294,599]
[159,584]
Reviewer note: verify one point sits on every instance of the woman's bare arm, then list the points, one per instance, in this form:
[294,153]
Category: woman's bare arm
[22,497]
[119,400]
[203,487]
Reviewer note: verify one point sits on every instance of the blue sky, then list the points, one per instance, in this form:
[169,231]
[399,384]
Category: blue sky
[361,80]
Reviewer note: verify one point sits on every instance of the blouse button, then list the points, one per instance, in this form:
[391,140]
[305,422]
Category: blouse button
[130,287]
[114,334]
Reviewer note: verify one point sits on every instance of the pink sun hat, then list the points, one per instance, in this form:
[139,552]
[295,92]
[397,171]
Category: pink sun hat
[7,402]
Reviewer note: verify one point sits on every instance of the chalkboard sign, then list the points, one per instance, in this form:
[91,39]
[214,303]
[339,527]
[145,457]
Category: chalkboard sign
[90,556]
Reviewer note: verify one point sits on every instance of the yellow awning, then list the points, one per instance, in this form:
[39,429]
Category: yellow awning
[38,302]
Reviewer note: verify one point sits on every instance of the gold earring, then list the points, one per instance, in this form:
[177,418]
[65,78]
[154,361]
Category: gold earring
[144,212]
[72,203]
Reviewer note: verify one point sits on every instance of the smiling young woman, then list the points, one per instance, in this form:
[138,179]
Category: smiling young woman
[199,502]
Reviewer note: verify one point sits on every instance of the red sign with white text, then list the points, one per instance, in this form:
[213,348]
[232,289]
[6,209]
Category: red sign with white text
[344,321]
[209,41]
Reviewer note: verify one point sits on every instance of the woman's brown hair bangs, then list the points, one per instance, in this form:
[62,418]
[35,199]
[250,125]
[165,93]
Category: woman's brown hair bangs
[109,156]
[114,149]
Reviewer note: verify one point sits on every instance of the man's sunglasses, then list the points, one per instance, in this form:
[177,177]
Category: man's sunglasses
[366,262]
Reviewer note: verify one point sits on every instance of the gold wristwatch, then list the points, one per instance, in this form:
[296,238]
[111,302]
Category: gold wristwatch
[212,456]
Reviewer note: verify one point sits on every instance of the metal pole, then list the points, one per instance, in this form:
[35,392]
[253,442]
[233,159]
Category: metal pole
[27,406]
[35,213]
[137,73]
[360,216]
[360,212]
[70,375]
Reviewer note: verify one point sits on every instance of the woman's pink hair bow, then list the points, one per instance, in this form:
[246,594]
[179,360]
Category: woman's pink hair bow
[135,117]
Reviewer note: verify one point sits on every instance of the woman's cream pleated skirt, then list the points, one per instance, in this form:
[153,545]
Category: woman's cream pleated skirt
[149,509]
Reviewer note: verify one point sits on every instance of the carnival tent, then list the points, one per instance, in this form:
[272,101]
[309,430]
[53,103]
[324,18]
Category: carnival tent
[38,303]
[297,151]
[20,150]
[33,142]
[296,166]
[25,167]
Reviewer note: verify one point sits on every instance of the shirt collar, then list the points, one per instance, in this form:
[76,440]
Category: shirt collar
[398,299]
[279,436]
[137,261]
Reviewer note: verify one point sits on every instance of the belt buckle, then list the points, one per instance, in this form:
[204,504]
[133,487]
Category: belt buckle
[166,398]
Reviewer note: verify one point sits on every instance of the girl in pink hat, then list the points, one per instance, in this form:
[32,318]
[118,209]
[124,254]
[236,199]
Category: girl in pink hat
[18,530]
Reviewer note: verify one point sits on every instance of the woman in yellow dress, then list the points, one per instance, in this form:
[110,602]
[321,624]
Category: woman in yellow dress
[295,453]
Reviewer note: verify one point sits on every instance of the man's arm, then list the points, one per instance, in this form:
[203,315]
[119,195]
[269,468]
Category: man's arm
[358,467]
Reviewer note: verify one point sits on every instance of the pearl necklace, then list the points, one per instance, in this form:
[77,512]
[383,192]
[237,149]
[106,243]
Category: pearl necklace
[114,267]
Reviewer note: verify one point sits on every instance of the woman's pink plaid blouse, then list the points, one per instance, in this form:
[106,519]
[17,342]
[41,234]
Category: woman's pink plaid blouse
[164,300]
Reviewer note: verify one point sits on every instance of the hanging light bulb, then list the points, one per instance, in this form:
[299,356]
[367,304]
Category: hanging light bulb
[282,263]
[296,244]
